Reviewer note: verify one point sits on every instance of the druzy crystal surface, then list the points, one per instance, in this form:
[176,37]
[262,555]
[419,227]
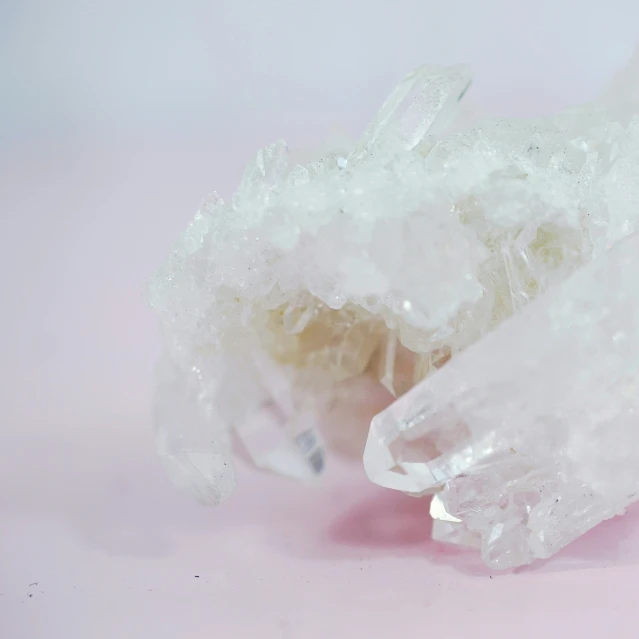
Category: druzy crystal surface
[434,255]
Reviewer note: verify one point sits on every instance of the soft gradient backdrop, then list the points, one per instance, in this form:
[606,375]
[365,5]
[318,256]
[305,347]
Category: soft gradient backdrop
[115,119]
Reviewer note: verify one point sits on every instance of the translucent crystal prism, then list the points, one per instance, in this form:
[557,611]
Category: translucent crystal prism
[192,440]
[422,105]
[275,426]
[532,433]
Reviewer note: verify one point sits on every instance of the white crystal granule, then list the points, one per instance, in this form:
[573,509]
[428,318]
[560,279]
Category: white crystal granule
[532,433]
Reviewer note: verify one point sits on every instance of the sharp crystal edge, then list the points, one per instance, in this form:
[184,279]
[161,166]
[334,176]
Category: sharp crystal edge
[530,436]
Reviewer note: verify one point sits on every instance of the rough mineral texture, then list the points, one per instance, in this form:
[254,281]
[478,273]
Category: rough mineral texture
[319,293]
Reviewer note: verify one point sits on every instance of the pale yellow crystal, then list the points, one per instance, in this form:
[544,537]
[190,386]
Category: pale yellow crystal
[314,336]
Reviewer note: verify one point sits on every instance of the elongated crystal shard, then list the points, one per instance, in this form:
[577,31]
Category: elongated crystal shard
[532,433]
[275,424]
[423,104]
[192,440]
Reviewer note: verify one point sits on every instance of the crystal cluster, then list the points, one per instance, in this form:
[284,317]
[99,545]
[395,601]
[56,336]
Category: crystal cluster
[461,272]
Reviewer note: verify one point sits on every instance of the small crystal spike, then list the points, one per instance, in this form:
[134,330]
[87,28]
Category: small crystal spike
[422,104]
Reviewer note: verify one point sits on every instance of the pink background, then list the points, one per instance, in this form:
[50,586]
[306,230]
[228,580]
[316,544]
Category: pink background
[115,119]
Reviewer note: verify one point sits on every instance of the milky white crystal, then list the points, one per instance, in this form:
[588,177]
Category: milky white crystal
[364,272]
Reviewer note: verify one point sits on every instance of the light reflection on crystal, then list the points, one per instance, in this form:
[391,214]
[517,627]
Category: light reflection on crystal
[449,529]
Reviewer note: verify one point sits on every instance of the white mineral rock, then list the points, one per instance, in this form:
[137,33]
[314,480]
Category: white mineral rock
[367,271]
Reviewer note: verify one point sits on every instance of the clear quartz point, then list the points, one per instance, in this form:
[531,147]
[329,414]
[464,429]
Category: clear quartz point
[191,439]
[423,104]
[449,529]
[532,433]
[275,425]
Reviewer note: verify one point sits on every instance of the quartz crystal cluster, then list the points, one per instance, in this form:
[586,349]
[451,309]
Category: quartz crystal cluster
[476,283]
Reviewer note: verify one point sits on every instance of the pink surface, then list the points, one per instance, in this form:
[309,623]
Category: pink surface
[95,543]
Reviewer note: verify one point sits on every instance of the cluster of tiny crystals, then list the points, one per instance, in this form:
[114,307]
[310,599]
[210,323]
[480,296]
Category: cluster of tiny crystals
[467,282]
